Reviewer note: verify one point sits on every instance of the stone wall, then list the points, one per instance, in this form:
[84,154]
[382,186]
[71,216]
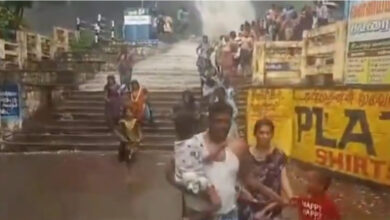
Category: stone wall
[33,95]
[38,90]
[50,81]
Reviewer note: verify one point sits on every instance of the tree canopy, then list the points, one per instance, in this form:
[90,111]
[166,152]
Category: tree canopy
[11,13]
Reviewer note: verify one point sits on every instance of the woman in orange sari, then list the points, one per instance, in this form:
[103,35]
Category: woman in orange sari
[138,102]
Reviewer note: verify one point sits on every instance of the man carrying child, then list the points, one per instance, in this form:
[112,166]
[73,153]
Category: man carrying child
[217,159]
[211,170]
[206,167]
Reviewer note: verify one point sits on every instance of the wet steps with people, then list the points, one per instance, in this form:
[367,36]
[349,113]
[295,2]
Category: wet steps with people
[78,123]
[243,85]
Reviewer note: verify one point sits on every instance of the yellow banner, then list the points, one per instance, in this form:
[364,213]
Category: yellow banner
[277,105]
[347,131]
[344,130]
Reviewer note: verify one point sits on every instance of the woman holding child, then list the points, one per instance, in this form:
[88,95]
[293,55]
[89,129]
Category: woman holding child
[136,110]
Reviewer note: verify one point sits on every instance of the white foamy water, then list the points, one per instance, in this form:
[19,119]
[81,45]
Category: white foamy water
[221,17]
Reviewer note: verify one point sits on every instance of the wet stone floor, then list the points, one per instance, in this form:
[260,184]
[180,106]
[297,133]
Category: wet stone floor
[356,200]
[94,186]
[85,186]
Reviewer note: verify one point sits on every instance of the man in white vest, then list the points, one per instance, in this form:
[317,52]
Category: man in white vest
[222,170]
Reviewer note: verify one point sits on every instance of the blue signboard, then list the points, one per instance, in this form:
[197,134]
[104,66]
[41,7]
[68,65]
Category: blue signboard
[138,28]
[10,102]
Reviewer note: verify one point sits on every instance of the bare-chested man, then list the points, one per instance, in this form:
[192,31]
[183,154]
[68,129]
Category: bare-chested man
[222,167]
[246,51]
[229,57]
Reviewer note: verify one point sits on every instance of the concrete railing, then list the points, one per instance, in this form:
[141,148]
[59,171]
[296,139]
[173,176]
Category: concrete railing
[39,47]
[324,51]
[10,54]
[277,61]
[32,47]
[320,53]
[61,40]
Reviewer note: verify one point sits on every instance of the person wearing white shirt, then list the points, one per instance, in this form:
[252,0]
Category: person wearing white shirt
[322,14]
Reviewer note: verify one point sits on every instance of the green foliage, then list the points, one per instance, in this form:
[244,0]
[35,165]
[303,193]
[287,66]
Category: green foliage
[6,21]
[85,41]
[6,17]
[18,6]
[11,13]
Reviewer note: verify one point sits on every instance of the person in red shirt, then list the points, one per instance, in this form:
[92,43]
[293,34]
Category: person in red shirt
[317,205]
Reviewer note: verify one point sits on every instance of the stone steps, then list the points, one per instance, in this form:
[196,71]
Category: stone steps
[78,122]
[87,130]
[72,129]
[101,122]
[16,146]
[101,103]
[152,98]
[90,137]
[75,110]
[241,99]
[152,93]
[81,115]
[100,115]
[100,109]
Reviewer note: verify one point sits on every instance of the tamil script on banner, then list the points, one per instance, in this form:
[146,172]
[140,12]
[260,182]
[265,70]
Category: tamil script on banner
[274,104]
[9,102]
[368,42]
[344,130]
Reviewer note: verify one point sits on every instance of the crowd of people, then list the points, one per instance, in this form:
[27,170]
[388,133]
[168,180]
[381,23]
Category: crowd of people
[232,57]
[219,77]
[220,176]
[288,24]
[165,24]
[227,60]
